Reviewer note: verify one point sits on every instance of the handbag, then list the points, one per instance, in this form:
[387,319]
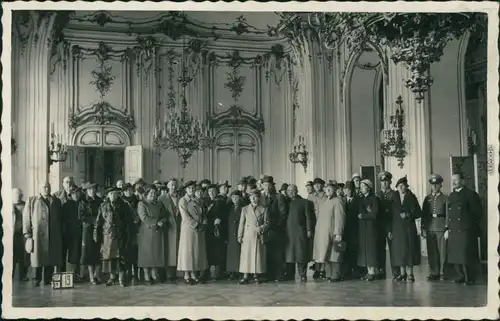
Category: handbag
[339,246]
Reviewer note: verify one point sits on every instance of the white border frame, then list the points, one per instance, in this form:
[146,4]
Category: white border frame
[490,311]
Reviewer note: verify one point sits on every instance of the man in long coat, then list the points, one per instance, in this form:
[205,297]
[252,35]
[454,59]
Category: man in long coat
[276,207]
[316,198]
[64,196]
[172,232]
[433,226]
[20,256]
[298,232]
[386,196]
[462,229]
[42,228]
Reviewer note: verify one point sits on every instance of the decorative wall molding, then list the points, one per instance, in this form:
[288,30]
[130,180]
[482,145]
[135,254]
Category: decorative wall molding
[236,117]
[101,136]
[101,113]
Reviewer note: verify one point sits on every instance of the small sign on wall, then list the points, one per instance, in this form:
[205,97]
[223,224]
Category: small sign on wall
[63,280]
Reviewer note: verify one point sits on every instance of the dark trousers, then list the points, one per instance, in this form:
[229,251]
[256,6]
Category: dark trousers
[171,272]
[276,257]
[332,270]
[290,270]
[465,272]
[382,256]
[23,271]
[436,252]
[47,273]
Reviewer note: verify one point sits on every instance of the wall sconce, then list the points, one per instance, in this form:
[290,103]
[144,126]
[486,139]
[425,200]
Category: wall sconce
[471,140]
[58,152]
[299,154]
[393,144]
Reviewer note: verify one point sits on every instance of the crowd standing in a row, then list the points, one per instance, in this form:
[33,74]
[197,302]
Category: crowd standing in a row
[256,233]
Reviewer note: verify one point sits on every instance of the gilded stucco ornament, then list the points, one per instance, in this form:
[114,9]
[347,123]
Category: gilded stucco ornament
[101,113]
[415,39]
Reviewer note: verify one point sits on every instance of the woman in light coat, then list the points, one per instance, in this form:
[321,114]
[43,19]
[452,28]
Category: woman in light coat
[329,229]
[150,239]
[192,245]
[252,235]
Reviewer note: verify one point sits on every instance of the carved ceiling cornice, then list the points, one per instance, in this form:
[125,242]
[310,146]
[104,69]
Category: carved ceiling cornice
[172,24]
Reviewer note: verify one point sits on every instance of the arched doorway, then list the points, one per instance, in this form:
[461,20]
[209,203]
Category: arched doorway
[364,99]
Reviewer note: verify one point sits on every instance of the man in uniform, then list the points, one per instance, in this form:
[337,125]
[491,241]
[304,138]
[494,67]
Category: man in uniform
[386,197]
[433,226]
[462,229]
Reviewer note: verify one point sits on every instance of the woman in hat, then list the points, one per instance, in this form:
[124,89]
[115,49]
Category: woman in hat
[131,200]
[351,233]
[233,246]
[192,245]
[150,239]
[403,231]
[75,209]
[252,235]
[329,229]
[111,233]
[90,249]
[368,207]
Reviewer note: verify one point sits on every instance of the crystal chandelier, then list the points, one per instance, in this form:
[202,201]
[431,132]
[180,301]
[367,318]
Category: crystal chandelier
[181,131]
[415,39]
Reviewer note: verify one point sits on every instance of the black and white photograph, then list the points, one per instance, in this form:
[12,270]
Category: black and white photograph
[271,160]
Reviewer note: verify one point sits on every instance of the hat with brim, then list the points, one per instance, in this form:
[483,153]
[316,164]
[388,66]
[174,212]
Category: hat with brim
[309,183]
[368,183]
[340,185]
[384,176]
[251,181]
[89,185]
[189,183]
[151,187]
[403,180]
[237,193]
[224,183]
[283,187]
[349,184]
[318,180]
[254,192]
[214,186]
[205,181]
[268,179]
[332,183]
[435,179]
[113,189]
[355,175]
[242,181]
[75,189]
[139,181]
[198,187]
[127,186]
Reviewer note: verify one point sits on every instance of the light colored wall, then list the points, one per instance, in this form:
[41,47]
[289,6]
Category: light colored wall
[446,121]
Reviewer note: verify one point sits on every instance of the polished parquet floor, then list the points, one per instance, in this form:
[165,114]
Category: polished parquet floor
[228,293]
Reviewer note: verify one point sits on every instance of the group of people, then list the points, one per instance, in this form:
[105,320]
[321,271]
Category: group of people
[256,233]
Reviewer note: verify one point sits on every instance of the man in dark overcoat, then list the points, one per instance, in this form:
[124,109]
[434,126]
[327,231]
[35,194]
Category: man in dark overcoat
[298,232]
[276,207]
[462,229]
[433,226]
[64,196]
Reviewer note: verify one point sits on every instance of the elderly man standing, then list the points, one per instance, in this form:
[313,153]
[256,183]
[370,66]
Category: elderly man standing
[20,256]
[42,229]
[298,231]
[172,232]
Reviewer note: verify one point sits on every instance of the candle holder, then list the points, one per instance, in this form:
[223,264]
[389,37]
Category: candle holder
[393,143]
[471,141]
[300,153]
[57,152]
